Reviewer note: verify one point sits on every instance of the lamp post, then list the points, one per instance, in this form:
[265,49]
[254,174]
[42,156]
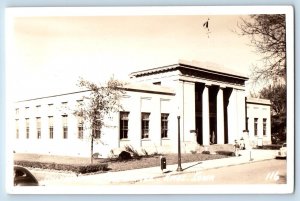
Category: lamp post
[179,168]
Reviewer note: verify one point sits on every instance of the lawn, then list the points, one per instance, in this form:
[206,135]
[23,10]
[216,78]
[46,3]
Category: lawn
[116,165]
[153,161]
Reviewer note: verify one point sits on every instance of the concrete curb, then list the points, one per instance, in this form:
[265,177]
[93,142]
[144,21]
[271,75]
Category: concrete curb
[144,174]
[192,171]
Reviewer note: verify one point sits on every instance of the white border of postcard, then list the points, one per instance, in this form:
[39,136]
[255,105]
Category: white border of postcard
[11,13]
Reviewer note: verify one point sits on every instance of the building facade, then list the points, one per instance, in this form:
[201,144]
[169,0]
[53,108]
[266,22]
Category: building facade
[209,101]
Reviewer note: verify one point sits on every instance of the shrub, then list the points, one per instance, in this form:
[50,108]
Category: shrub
[145,152]
[133,151]
[193,152]
[124,156]
[272,146]
[205,152]
[79,169]
[226,153]
[96,155]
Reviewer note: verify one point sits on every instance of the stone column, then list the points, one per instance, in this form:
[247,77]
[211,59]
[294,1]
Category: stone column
[188,113]
[220,117]
[205,115]
[232,115]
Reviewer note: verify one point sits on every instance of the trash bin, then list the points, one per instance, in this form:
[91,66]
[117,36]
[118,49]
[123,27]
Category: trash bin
[163,163]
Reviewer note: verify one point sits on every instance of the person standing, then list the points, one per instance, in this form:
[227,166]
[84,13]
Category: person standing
[236,148]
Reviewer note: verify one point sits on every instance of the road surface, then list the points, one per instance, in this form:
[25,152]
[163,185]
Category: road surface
[263,172]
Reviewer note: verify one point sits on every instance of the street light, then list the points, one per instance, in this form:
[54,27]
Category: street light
[179,168]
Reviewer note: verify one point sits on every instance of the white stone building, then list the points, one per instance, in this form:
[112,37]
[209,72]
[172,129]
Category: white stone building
[210,101]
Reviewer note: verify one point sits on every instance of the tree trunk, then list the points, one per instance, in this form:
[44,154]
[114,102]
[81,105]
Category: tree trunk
[92,147]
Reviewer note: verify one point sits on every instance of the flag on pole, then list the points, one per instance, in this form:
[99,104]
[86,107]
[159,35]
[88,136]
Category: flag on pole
[205,25]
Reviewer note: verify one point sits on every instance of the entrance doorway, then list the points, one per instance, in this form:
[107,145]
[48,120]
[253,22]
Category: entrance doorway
[213,91]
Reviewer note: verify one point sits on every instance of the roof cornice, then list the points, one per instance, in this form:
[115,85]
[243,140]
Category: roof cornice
[189,66]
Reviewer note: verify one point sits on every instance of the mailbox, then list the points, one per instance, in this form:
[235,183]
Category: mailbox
[163,163]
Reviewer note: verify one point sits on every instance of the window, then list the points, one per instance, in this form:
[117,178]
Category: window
[17,111]
[97,130]
[157,83]
[164,125]
[17,128]
[124,125]
[27,127]
[50,127]
[145,125]
[255,126]
[65,126]
[80,127]
[38,127]
[264,126]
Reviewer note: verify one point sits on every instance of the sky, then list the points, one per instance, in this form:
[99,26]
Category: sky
[49,54]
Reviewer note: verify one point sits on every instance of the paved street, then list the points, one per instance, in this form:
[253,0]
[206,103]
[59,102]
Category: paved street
[262,169]
[263,172]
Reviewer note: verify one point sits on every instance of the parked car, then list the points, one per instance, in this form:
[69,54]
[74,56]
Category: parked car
[282,151]
[23,177]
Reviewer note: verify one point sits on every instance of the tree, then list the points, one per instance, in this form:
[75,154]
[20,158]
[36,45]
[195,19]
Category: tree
[277,96]
[102,100]
[268,35]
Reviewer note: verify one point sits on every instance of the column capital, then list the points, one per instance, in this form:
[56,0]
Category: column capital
[222,86]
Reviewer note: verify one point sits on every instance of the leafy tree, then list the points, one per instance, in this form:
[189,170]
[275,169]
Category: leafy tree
[102,100]
[268,35]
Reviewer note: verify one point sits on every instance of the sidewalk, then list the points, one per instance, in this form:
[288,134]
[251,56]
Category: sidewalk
[132,176]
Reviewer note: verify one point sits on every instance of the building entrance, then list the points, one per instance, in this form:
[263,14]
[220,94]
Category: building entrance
[212,136]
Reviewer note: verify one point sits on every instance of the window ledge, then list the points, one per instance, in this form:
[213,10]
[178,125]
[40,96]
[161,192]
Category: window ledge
[146,139]
[124,139]
[165,138]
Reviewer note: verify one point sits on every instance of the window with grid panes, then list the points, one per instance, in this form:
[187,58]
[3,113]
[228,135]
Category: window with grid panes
[80,127]
[38,128]
[50,119]
[124,125]
[255,126]
[27,127]
[164,125]
[17,128]
[264,126]
[145,125]
[65,126]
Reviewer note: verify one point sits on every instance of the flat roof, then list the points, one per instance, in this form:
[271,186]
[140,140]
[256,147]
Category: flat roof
[195,65]
[136,87]
[258,101]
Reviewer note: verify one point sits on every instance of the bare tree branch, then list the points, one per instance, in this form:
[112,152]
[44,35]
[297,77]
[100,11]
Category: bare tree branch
[267,34]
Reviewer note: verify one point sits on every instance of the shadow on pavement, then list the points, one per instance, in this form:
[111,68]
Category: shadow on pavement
[192,166]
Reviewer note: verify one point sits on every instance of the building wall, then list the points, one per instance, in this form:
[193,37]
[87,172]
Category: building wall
[175,96]
[183,104]
[260,111]
[133,102]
